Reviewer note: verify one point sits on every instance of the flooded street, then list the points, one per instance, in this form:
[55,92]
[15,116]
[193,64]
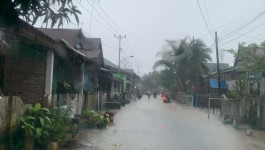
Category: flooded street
[149,124]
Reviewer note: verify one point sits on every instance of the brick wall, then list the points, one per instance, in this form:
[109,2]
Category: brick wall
[25,78]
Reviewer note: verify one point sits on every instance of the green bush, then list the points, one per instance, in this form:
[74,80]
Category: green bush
[103,119]
[60,119]
[36,124]
[43,125]
[91,114]
[233,95]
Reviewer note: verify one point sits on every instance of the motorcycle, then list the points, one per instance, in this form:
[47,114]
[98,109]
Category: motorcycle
[166,99]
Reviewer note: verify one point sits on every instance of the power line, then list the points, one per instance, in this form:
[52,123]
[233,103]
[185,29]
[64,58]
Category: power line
[115,25]
[109,18]
[244,25]
[243,16]
[115,31]
[256,38]
[130,47]
[204,19]
[238,18]
[249,37]
[244,33]
[92,37]
[96,18]
[111,21]
[126,48]
[91,16]
[208,14]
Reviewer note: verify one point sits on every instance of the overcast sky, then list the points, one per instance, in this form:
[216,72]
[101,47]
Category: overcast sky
[148,23]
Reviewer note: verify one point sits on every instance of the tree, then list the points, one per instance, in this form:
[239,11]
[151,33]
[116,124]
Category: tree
[249,58]
[150,81]
[185,60]
[53,11]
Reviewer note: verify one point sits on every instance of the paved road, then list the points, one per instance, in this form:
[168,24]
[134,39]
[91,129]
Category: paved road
[149,124]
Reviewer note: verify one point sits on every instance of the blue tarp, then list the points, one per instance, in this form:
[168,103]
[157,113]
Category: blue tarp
[214,84]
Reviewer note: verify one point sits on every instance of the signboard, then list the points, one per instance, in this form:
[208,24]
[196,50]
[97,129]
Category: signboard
[255,75]
[123,78]
[214,84]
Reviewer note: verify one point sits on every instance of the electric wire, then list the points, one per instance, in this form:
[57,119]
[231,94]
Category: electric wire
[90,23]
[117,27]
[208,14]
[240,17]
[109,18]
[204,19]
[89,35]
[222,27]
[115,31]
[243,26]
[111,21]
[243,34]
[96,18]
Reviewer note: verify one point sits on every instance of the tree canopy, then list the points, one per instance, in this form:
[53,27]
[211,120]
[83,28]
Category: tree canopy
[250,58]
[183,60]
[52,11]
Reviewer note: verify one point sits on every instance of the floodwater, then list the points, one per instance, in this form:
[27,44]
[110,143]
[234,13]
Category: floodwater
[149,124]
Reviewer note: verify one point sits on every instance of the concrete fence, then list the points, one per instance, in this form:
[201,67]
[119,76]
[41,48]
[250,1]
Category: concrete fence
[184,99]
[11,109]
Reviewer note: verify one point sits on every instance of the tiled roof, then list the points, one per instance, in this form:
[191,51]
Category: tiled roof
[90,47]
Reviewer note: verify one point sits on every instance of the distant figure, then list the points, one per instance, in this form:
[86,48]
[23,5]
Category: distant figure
[148,94]
[167,95]
[154,94]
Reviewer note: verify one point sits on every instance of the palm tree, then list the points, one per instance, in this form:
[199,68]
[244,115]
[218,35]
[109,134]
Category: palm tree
[185,60]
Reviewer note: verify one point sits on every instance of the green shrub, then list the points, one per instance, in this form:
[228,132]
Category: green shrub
[60,119]
[103,119]
[36,124]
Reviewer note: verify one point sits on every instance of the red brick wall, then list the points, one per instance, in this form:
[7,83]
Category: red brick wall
[25,78]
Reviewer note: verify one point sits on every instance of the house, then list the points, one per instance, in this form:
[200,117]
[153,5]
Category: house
[26,64]
[123,82]
[86,78]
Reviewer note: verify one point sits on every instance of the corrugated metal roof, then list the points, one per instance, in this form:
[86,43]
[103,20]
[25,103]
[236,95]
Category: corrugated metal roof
[109,63]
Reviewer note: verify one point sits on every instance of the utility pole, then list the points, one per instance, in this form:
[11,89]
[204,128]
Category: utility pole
[120,38]
[218,67]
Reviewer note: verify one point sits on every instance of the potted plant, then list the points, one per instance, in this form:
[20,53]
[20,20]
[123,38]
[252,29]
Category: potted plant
[91,117]
[29,128]
[35,123]
[60,119]
[111,116]
[57,133]
[102,121]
